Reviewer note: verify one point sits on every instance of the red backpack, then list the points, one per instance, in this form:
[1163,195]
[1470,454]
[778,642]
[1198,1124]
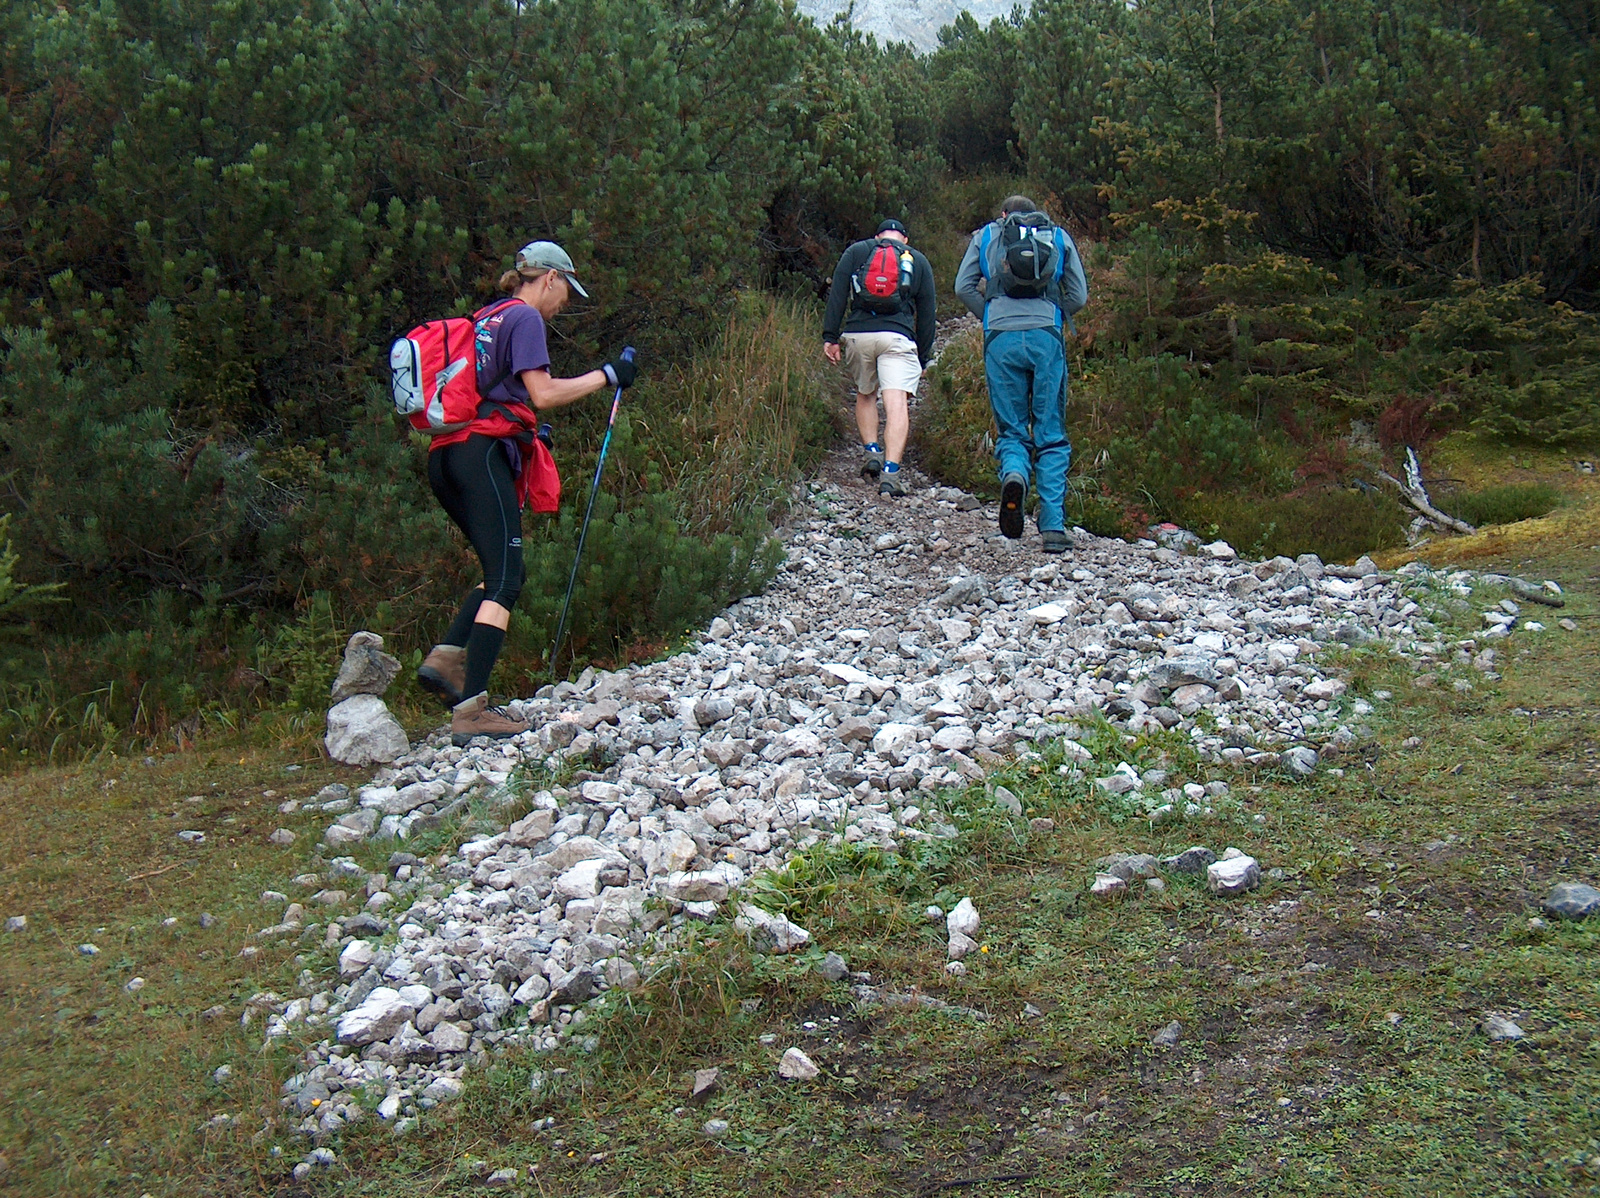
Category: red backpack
[434,381]
[434,375]
[882,285]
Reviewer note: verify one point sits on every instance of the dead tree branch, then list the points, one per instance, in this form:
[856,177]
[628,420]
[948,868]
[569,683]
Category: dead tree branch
[1414,493]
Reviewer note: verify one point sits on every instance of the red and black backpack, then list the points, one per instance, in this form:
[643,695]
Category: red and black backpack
[434,375]
[883,285]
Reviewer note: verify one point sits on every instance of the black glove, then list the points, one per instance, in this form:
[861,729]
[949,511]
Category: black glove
[620,373]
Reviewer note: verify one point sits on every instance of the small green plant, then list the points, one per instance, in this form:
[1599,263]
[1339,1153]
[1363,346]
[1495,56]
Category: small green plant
[305,656]
[813,878]
[19,601]
[1088,507]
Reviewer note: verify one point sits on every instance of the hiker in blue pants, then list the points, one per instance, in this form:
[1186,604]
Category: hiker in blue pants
[1022,275]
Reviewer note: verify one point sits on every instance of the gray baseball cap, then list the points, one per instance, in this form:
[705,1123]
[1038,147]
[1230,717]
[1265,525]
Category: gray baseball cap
[547,255]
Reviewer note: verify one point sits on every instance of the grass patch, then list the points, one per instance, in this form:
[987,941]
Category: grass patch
[1334,523]
[107,1091]
[1504,505]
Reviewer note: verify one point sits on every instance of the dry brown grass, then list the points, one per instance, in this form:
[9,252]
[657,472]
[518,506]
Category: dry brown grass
[751,415]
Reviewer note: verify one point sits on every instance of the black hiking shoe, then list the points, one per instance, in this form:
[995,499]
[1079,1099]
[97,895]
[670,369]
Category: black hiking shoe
[1013,494]
[871,463]
[1056,541]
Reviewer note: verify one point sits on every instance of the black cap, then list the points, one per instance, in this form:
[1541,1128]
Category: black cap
[891,226]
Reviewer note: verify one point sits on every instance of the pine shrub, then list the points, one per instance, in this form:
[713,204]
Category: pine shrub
[1335,523]
[1518,368]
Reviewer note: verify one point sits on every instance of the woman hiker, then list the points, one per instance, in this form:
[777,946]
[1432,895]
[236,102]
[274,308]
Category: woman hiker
[479,477]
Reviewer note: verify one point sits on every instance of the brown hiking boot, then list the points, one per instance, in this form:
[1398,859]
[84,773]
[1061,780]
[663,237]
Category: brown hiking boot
[474,717]
[444,672]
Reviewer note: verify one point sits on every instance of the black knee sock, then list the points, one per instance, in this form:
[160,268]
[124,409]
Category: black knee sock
[483,646]
[461,627]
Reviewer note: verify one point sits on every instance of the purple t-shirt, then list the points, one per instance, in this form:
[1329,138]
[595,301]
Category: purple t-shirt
[518,344]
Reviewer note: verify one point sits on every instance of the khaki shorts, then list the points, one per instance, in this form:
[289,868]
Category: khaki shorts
[886,360]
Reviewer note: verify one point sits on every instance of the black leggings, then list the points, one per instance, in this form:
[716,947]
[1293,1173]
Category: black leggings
[474,484]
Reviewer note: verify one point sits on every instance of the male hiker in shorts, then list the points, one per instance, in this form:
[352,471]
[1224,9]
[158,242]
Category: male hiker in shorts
[883,297]
[1032,283]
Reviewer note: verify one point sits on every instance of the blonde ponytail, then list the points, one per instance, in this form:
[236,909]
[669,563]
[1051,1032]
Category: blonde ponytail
[510,281]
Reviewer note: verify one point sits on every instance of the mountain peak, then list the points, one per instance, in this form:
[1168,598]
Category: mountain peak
[914,21]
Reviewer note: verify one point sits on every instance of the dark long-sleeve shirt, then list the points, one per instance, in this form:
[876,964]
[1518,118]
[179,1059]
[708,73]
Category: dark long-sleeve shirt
[916,318]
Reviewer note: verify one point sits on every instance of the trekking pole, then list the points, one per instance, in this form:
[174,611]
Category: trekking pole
[594,489]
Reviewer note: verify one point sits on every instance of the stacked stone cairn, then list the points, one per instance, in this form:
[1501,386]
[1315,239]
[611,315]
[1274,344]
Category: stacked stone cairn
[361,729]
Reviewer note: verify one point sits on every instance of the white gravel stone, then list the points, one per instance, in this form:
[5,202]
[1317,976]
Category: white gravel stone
[796,1066]
[1301,760]
[1498,1027]
[963,918]
[960,946]
[956,737]
[443,1089]
[1106,885]
[582,881]
[770,932]
[355,958]
[381,1014]
[893,740]
[1233,875]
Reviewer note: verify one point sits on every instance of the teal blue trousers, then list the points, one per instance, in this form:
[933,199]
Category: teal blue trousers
[1027,374]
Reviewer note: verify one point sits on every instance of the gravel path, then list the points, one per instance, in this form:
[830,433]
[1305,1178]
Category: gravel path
[903,648]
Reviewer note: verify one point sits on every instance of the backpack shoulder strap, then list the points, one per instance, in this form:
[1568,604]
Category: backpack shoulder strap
[484,314]
[983,249]
[494,309]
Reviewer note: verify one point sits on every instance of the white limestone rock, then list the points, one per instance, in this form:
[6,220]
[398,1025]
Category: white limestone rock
[894,740]
[379,1016]
[795,1066]
[770,932]
[361,731]
[1233,875]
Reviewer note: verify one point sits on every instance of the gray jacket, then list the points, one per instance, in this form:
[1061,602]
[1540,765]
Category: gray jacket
[1004,314]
